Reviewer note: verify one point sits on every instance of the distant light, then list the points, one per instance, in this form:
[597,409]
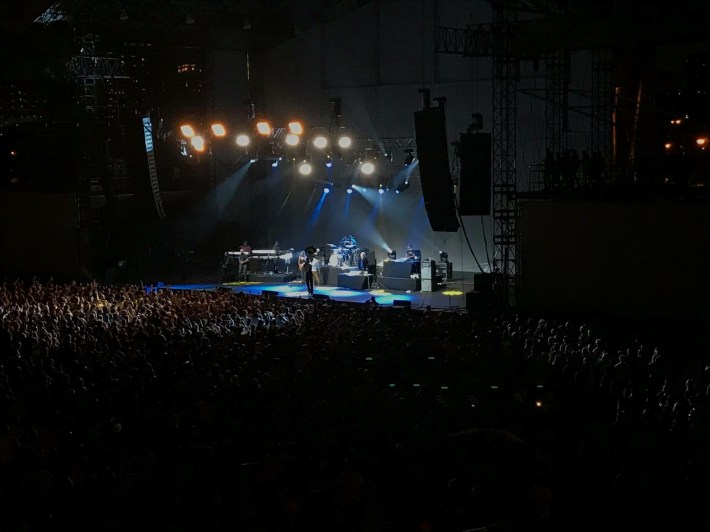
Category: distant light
[668,145]
[13,152]
[381,191]
[263,128]
[701,141]
[329,163]
[367,168]
[252,160]
[326,189]
[243,140]
[292,139]
[305,168]
[538,404]
[320,142]
[187,131]
[218,130]
[676,122]
[350,190]
[275,163]
[296,128]
[198,143]
[396,191]
[345,142]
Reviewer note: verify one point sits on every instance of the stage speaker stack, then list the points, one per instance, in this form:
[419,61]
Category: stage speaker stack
[433,155]
[486,295]
[428,276]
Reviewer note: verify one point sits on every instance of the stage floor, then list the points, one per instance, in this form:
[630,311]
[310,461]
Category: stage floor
[453,297]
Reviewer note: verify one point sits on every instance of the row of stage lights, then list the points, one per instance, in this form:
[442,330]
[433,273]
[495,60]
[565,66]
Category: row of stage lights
[293,138]
[327,189]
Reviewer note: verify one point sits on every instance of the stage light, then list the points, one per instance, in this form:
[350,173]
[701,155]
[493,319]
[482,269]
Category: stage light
[701,141]
[349,190]
[326,189]
[198,143]
[218,130]
[345,142]
[367,168]
[252,160]
[243,140]
[443,256]
[275,163]
[381,190]
[668,145]
[409,158]
[320,142]
[263,128]
[305,168]
[296,128]
[292,139]
[187,131]
[329,163]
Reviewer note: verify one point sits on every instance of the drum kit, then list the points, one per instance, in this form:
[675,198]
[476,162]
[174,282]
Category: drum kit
[345,252]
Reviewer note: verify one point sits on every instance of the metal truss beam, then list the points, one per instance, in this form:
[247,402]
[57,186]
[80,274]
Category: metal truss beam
[472,41]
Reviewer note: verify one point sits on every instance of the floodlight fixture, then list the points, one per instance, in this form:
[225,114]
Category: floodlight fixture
[243,140]
[345,142]
[349,190]
[320,142]
[326,189]
[263,128]
[292,139]
[296,128]
[198,142]
[218,130]
[381,190]
[329,162]
[187,131]
[367,168]
[305,168]
[701,141]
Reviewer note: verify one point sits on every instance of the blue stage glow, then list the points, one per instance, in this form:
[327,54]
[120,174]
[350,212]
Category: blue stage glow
[381,191]
[316,211]
[326,190]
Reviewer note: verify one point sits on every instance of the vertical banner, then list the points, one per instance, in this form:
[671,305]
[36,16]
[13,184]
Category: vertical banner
[148,135]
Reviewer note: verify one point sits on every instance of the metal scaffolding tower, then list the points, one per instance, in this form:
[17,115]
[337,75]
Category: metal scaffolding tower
[557,66]
[505,75]
[602,101]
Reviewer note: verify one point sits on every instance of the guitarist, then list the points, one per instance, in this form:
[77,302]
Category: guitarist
[244,254]
[302,259]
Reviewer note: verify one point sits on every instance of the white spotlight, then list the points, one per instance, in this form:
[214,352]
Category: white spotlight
[243,140]
[275,163]
[350,190]
[305,168]
[381,191]
[367,168]
[345,142]
[320,142]
[326,189]
[292,139]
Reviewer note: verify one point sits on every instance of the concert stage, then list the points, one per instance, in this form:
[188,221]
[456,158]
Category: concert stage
[451,299]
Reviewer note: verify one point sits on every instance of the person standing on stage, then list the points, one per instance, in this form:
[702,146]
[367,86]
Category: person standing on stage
[308,272]
[409,254]
[273,267]
[244,254]
[363,263]
[302,259]
[315,267]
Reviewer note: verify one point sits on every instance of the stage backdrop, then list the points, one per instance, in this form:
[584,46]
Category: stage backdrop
[619,259]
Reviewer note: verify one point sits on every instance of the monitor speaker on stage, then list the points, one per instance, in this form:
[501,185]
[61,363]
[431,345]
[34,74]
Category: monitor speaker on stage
[475,174]
[433,155]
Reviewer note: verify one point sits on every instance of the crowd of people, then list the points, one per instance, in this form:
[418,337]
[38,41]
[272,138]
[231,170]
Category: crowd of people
[125,408]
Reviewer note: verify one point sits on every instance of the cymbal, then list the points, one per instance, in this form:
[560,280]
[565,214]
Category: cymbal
[331,246]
